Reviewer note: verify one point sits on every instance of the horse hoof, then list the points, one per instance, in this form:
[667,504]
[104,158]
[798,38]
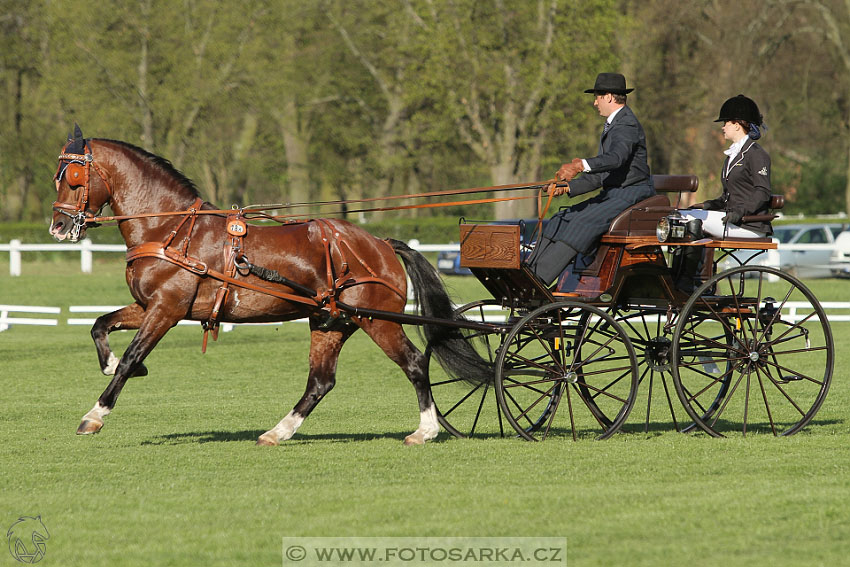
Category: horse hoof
[266,441]
[88,426]
[142,370]
[414,439]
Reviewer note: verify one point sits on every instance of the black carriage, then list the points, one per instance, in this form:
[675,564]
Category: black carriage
[747,349]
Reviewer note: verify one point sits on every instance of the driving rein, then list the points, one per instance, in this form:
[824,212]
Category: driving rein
[77,170]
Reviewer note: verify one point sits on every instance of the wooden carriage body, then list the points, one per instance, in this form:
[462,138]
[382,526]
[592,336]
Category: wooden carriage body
[629,266]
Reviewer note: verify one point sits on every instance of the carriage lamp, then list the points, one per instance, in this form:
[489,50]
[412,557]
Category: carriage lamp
[676,227]
[672,227]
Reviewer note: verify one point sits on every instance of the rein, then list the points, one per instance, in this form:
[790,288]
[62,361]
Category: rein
[77,171]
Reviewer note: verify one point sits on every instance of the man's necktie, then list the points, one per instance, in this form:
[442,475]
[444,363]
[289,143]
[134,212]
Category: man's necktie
[606,128]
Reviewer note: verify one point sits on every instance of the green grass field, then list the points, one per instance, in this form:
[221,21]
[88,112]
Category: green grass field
[174,478]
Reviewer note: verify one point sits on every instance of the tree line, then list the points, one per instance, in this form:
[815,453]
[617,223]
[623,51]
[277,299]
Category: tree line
[296,101]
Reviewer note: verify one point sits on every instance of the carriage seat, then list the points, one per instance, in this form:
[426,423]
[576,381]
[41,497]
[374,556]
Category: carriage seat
[776,202]
[643,217]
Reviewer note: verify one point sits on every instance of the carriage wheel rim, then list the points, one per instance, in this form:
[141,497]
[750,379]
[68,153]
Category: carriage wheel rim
[551,343]
[763,363]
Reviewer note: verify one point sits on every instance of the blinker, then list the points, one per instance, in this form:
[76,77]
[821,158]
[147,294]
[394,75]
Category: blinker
[75,174]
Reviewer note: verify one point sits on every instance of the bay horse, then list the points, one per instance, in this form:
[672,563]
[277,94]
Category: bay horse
[188,260]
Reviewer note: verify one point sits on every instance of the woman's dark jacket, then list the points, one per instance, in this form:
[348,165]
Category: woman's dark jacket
[746,187]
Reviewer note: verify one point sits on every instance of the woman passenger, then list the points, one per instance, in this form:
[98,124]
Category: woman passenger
[745,177]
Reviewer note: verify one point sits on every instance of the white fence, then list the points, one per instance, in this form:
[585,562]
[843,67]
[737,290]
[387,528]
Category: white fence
[837,311]
[86,248]
[6,320]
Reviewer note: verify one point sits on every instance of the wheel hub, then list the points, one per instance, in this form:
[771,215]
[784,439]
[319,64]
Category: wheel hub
[755,356]
[657,354]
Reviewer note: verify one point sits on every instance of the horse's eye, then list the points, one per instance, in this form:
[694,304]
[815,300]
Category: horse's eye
[75,174]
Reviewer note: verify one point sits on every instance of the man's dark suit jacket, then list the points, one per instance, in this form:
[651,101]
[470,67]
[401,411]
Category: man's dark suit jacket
[621,170]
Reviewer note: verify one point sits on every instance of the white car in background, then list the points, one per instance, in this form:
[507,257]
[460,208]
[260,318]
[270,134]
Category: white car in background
[804,250]
[840,261]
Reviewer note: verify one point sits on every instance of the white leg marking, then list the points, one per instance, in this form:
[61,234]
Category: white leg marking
[97,413]
[429,427]
[284,430]
[111,364]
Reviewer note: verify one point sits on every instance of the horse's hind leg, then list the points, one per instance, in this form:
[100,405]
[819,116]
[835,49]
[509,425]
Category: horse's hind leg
[325,346]
[392,340]
[126,318]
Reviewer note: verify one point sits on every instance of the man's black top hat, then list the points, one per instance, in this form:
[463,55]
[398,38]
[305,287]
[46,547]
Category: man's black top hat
[610,83]
[740,108]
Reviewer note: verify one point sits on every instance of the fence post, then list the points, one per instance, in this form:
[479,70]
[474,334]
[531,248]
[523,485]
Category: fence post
[14,257]
[85,256]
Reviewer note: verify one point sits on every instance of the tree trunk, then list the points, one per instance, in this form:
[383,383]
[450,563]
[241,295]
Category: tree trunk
[502,174]
[148,141]
[847,186]
[295,143]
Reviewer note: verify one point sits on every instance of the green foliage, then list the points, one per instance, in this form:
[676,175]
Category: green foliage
[297,101]
[429,230]
[35,233]
[817,188]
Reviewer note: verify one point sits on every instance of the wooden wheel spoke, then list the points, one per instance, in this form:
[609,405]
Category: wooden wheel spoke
[524,413]
[466,397]
[604,391]
[726,401]
[558,344]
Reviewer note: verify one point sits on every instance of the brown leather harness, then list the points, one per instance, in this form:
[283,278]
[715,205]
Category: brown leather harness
[236,264]
[77,171]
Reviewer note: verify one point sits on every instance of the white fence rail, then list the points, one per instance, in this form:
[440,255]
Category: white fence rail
[86,248]
[6,321]
[836,311]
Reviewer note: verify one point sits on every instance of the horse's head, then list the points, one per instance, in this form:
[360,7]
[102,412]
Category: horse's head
[81,189]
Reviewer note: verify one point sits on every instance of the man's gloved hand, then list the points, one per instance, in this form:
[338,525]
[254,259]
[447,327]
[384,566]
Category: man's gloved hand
[556,191]
[570,170]
[732,218]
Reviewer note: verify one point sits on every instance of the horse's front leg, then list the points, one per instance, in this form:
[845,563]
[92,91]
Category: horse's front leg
[126,318]
[156,323]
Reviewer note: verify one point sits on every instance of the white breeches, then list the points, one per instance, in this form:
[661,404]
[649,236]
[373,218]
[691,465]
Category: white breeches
[713,225]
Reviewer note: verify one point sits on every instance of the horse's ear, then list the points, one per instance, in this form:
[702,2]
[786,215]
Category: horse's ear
[77,145]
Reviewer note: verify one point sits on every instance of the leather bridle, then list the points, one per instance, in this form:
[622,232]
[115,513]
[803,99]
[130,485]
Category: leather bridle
[76,168]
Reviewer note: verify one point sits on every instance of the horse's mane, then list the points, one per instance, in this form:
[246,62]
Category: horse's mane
[160,163]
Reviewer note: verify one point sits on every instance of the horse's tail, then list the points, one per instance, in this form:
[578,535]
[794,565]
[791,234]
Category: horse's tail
[455,354]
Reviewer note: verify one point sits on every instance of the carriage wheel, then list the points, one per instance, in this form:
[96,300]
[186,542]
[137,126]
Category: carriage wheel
[465,409]
[651,338]
[566,369]
[756,356]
